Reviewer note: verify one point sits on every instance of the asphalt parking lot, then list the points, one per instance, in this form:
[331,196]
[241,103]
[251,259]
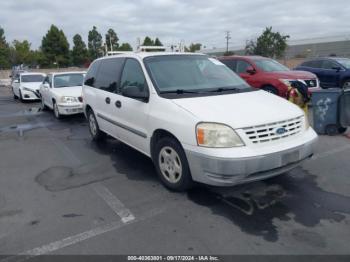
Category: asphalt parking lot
[60,193]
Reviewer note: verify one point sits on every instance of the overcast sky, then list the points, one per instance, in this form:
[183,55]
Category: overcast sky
[203,21]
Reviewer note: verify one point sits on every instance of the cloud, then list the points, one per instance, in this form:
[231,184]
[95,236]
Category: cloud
[175,20]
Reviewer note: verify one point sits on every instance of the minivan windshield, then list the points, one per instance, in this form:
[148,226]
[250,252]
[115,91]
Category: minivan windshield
[32,78]
[68,80]
[269,65]
[191,74]
[344,62]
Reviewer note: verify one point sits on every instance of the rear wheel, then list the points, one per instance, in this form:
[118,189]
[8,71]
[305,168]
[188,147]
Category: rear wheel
[171,164]
[271,89]
[94,129]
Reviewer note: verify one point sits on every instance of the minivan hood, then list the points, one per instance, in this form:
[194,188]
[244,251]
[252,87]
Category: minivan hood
[68,91]
[292,75]
[240,110]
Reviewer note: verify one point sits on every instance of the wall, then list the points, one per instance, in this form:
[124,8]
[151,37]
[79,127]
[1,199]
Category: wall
[5,74]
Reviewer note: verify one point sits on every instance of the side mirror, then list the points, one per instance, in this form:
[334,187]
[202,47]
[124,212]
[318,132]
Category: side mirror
[16,81]
[250,70]
[134,92]
[46,85]
[337,68]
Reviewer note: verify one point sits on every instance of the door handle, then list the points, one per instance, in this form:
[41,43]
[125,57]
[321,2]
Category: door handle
[108,100]
[118,104]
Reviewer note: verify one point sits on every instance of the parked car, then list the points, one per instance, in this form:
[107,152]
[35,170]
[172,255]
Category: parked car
[62,92]
[195,118]
[268,74]
[25,86]
[332,71]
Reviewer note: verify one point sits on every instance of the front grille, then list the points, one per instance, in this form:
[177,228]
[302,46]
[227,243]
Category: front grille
[269,132]
[311,83]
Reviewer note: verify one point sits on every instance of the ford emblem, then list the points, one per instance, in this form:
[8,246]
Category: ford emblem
[281,131]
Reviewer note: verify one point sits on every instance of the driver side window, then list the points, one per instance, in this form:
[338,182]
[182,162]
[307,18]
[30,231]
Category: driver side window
[242,67]
[133,76]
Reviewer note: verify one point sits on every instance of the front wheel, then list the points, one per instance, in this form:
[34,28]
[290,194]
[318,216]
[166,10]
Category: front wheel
[56,111]
[43,106]
[94,129]
[14,94]
[171,165]
[20,96]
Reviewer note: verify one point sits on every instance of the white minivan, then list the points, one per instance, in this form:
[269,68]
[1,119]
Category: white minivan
[195,118]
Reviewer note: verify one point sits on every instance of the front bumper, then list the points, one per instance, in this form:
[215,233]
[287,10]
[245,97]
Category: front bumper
[30,95]
[70,109]
[219,171]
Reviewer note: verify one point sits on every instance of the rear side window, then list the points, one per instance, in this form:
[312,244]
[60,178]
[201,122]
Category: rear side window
[133,75]
[108,74]
[230,64]
[90,77]
[313,64]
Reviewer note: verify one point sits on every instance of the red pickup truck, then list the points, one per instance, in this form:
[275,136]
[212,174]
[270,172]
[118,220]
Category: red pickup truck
[268,74]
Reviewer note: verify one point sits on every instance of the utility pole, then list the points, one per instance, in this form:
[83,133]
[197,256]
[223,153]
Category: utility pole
[227,37]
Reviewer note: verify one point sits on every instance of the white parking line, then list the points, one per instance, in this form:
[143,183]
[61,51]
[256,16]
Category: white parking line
[71,240]
[114,203]
[331,152]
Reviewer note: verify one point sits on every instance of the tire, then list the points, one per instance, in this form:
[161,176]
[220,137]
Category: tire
[172,165]
[20,96]
[96,133]
[271,89]
[342,130]
[43,106]
[14,95]
[346,84]
[56,112]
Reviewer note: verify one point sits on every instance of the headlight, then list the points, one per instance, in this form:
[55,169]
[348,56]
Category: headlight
[286,81]
[69,99]
[217,135]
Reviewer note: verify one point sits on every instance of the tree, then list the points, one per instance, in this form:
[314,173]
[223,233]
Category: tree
[55,48]
[250,47]
[269,44]
[157,42]
[4,50]
[21,53]
[148,41]
[95,43]
[79,53]
[112,40]
[125,47]
[193,47]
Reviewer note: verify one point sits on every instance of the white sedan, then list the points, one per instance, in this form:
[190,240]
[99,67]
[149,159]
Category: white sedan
[25,86]
[62,92]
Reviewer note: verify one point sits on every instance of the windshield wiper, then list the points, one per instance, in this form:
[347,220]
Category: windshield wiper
[180,91]
[223,89]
